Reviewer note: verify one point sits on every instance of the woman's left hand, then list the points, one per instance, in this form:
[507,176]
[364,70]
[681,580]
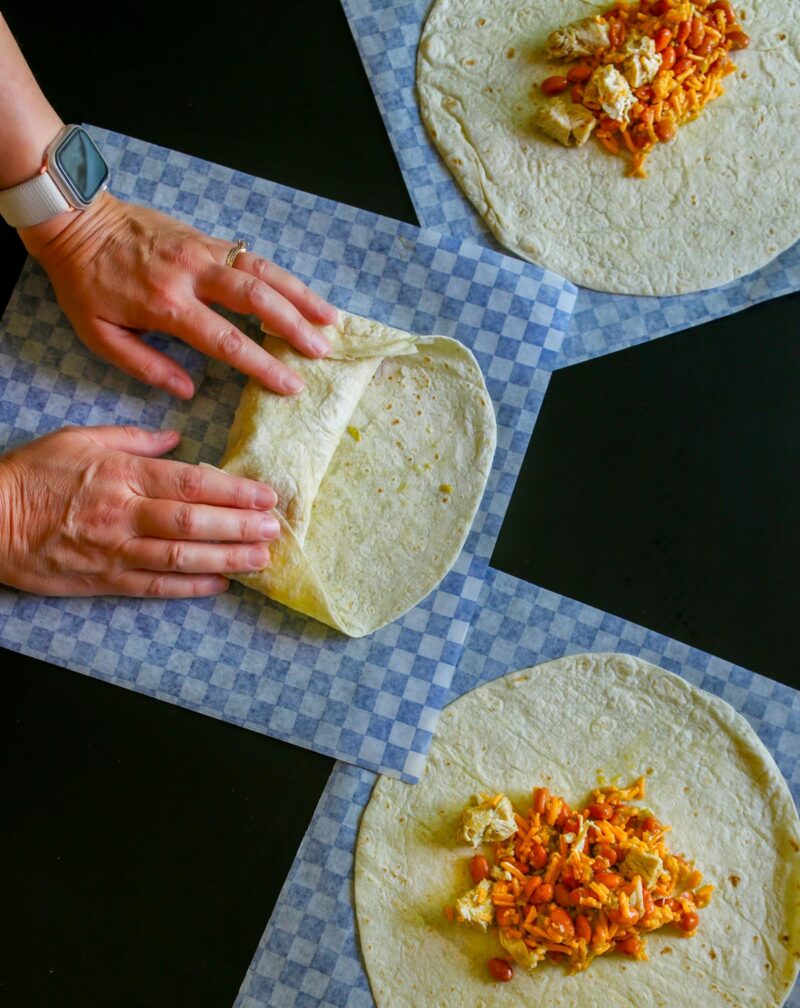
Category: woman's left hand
[120,270]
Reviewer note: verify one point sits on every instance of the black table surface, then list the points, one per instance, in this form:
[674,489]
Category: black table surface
[143,846]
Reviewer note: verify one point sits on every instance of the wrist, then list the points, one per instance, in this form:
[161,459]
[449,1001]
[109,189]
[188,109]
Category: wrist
[71,174]
[37,236]
[57,235]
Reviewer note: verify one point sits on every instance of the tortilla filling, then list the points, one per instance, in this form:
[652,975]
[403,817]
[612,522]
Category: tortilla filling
[572,885]
[640,71]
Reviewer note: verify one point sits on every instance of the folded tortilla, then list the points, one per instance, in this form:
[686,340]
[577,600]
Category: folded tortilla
[379,466]
[721,200]
[561,725]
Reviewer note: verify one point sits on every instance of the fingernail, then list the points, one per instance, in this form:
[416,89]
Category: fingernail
[269,527]
[257,558]
[180,387]
[165,435]
[263,497]
[319,344]
[290,382]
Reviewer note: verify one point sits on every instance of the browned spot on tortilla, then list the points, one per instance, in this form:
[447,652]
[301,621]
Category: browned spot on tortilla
[511,53]
[734,880]
[712,953]
[666,949]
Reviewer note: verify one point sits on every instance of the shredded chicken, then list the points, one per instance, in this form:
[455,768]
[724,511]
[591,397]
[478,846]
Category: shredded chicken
[581,38]
[566,122]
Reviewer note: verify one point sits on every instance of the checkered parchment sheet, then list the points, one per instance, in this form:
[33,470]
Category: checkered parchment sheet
[373,701]
[309,955]
[387,34]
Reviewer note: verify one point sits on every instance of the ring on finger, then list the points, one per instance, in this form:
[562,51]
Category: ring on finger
[240,246]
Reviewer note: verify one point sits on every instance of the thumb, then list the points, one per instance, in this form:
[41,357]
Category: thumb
[133,440]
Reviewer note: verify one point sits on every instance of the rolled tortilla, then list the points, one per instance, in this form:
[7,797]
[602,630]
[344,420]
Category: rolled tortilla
[379,466]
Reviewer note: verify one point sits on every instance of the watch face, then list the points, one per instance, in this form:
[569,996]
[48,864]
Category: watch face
[81,164]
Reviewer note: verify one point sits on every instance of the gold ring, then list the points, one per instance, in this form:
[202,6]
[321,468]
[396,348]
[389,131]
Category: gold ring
[240,246]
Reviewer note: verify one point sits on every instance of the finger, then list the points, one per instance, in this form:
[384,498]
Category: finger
[246,294]
[133,440]
[127,351]
[305,300]
[143,583]
[209,332]
[179,481]
[166,519]
[195,558]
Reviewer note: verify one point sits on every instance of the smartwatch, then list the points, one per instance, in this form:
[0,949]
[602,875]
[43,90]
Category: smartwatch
[73,174]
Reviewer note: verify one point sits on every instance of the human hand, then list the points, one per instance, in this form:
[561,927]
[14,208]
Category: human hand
[119,270]
[94,511]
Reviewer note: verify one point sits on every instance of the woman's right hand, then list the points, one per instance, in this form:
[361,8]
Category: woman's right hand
[94,511]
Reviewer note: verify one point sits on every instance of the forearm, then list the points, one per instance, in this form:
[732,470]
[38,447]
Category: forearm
[27,120]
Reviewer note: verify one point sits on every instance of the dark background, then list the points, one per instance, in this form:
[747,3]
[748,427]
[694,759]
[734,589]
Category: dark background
[143,846]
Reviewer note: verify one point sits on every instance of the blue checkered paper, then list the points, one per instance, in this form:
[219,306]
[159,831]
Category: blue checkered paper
[309,955]
[240,657]
[387,34]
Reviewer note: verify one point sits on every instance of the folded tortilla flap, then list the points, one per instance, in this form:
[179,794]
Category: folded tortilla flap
[379,465]
[292,438]
[290,580]
[289,441]
[353,337]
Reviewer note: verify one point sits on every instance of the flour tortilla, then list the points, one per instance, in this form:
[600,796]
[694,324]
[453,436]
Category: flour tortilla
[559,725]
[379,466]
[720,201]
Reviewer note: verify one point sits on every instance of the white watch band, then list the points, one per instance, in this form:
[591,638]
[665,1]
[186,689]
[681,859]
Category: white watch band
[32,202]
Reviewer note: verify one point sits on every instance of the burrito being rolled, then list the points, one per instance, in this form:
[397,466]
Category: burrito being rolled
[379,466]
